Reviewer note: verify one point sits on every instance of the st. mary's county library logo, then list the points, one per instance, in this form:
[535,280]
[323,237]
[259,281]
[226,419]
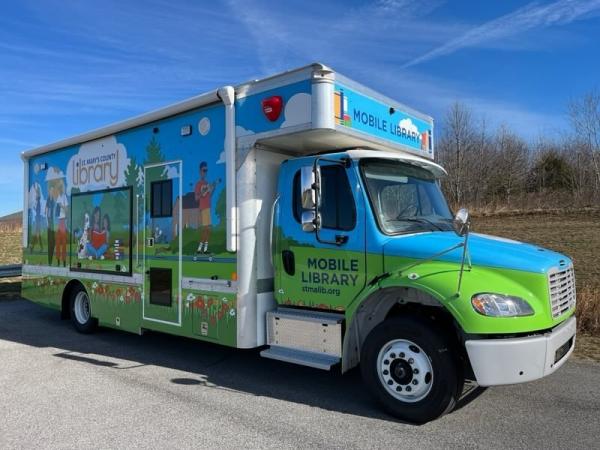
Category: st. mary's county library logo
[99,164]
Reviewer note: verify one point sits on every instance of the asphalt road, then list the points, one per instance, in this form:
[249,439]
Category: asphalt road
[117,390]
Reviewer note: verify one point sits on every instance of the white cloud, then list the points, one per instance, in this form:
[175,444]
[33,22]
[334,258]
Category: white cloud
[221,159]
[531,16]
[408,125]
[297,110]
[98,164]
[241,131]
[171,172]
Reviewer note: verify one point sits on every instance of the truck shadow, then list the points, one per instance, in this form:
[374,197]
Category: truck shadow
[203,365]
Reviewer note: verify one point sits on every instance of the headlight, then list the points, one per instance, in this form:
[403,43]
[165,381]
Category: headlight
[498,305]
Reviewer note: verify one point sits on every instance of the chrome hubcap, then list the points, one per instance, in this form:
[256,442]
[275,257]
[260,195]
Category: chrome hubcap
[405,370]
[82,308]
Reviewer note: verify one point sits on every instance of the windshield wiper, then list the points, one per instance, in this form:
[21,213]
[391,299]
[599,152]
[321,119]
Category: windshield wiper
[420,220]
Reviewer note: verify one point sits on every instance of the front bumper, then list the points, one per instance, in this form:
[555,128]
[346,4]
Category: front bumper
[517,360]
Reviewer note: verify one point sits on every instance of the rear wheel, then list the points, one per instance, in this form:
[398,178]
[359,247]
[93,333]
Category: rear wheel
[81,311]
[411,369]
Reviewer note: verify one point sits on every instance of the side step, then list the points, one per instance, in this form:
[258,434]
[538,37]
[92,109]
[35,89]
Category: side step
[301,357]
[304,337]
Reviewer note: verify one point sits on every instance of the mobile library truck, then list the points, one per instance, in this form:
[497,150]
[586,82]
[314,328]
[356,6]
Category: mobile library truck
[302,214]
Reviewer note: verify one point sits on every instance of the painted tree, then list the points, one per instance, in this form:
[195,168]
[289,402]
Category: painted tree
[140,177]
[131,173]
[153,152]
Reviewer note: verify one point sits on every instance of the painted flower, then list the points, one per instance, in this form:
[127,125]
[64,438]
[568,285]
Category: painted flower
[190,297]
[232,312]
[121,299]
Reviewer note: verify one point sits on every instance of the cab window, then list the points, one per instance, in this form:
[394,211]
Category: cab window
[337,207]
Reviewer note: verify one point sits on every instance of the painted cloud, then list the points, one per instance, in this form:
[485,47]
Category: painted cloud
[408,125]
[99,164]
[241,131]
[297,110]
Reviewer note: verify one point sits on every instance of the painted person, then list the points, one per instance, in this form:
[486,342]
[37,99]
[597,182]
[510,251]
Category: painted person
[62,203]
[203,195]
[98,240]
[50,216]
[37,211]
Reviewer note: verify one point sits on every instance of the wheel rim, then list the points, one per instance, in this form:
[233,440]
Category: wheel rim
[405,370]
[82,308]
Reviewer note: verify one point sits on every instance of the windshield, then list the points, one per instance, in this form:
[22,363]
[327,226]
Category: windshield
[405,198]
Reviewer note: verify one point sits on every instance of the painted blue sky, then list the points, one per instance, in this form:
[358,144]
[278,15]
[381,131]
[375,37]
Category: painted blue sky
[68,66]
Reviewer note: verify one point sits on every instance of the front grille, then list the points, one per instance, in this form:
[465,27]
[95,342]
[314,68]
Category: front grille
[561,284]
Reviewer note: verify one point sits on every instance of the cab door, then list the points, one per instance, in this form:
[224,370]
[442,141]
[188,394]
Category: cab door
[324,270]
[162,243]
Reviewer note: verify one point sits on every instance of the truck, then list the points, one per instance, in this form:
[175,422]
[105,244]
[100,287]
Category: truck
[302,215]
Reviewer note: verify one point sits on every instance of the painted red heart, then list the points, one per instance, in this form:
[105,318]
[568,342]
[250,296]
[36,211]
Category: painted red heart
[272,107]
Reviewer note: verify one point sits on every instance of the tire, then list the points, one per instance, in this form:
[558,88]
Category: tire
[411,369]
[81,311]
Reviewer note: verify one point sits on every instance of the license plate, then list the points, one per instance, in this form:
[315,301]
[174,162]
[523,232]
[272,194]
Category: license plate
[562,350]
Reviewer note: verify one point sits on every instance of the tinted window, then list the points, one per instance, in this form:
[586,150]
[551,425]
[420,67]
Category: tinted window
[162,198]
[337,203]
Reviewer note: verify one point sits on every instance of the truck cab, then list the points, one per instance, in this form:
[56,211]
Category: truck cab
[372,267]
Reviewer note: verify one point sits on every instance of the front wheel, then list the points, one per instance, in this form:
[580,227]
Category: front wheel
[81,311]
[411,369]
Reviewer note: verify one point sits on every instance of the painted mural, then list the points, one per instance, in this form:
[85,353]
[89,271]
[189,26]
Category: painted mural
[69,228]
[101,224]
[90,210]
[151,197]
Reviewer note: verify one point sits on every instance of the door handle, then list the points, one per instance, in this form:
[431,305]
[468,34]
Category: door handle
[341,239]
[289,263]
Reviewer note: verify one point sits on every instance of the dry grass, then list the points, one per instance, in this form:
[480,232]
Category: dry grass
[10,248]
[588,310]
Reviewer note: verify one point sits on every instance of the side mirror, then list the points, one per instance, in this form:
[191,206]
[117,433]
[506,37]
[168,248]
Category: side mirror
[309,224]
[307,183]
[462,222]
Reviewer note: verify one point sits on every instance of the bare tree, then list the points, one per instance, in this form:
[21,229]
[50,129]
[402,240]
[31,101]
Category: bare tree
[585,118]
[498,168]
[456,143]
[510,165]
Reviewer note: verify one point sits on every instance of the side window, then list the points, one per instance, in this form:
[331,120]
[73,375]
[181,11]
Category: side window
[337,207]
[161,198]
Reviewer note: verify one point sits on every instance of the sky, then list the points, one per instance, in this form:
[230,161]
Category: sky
[69,66]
